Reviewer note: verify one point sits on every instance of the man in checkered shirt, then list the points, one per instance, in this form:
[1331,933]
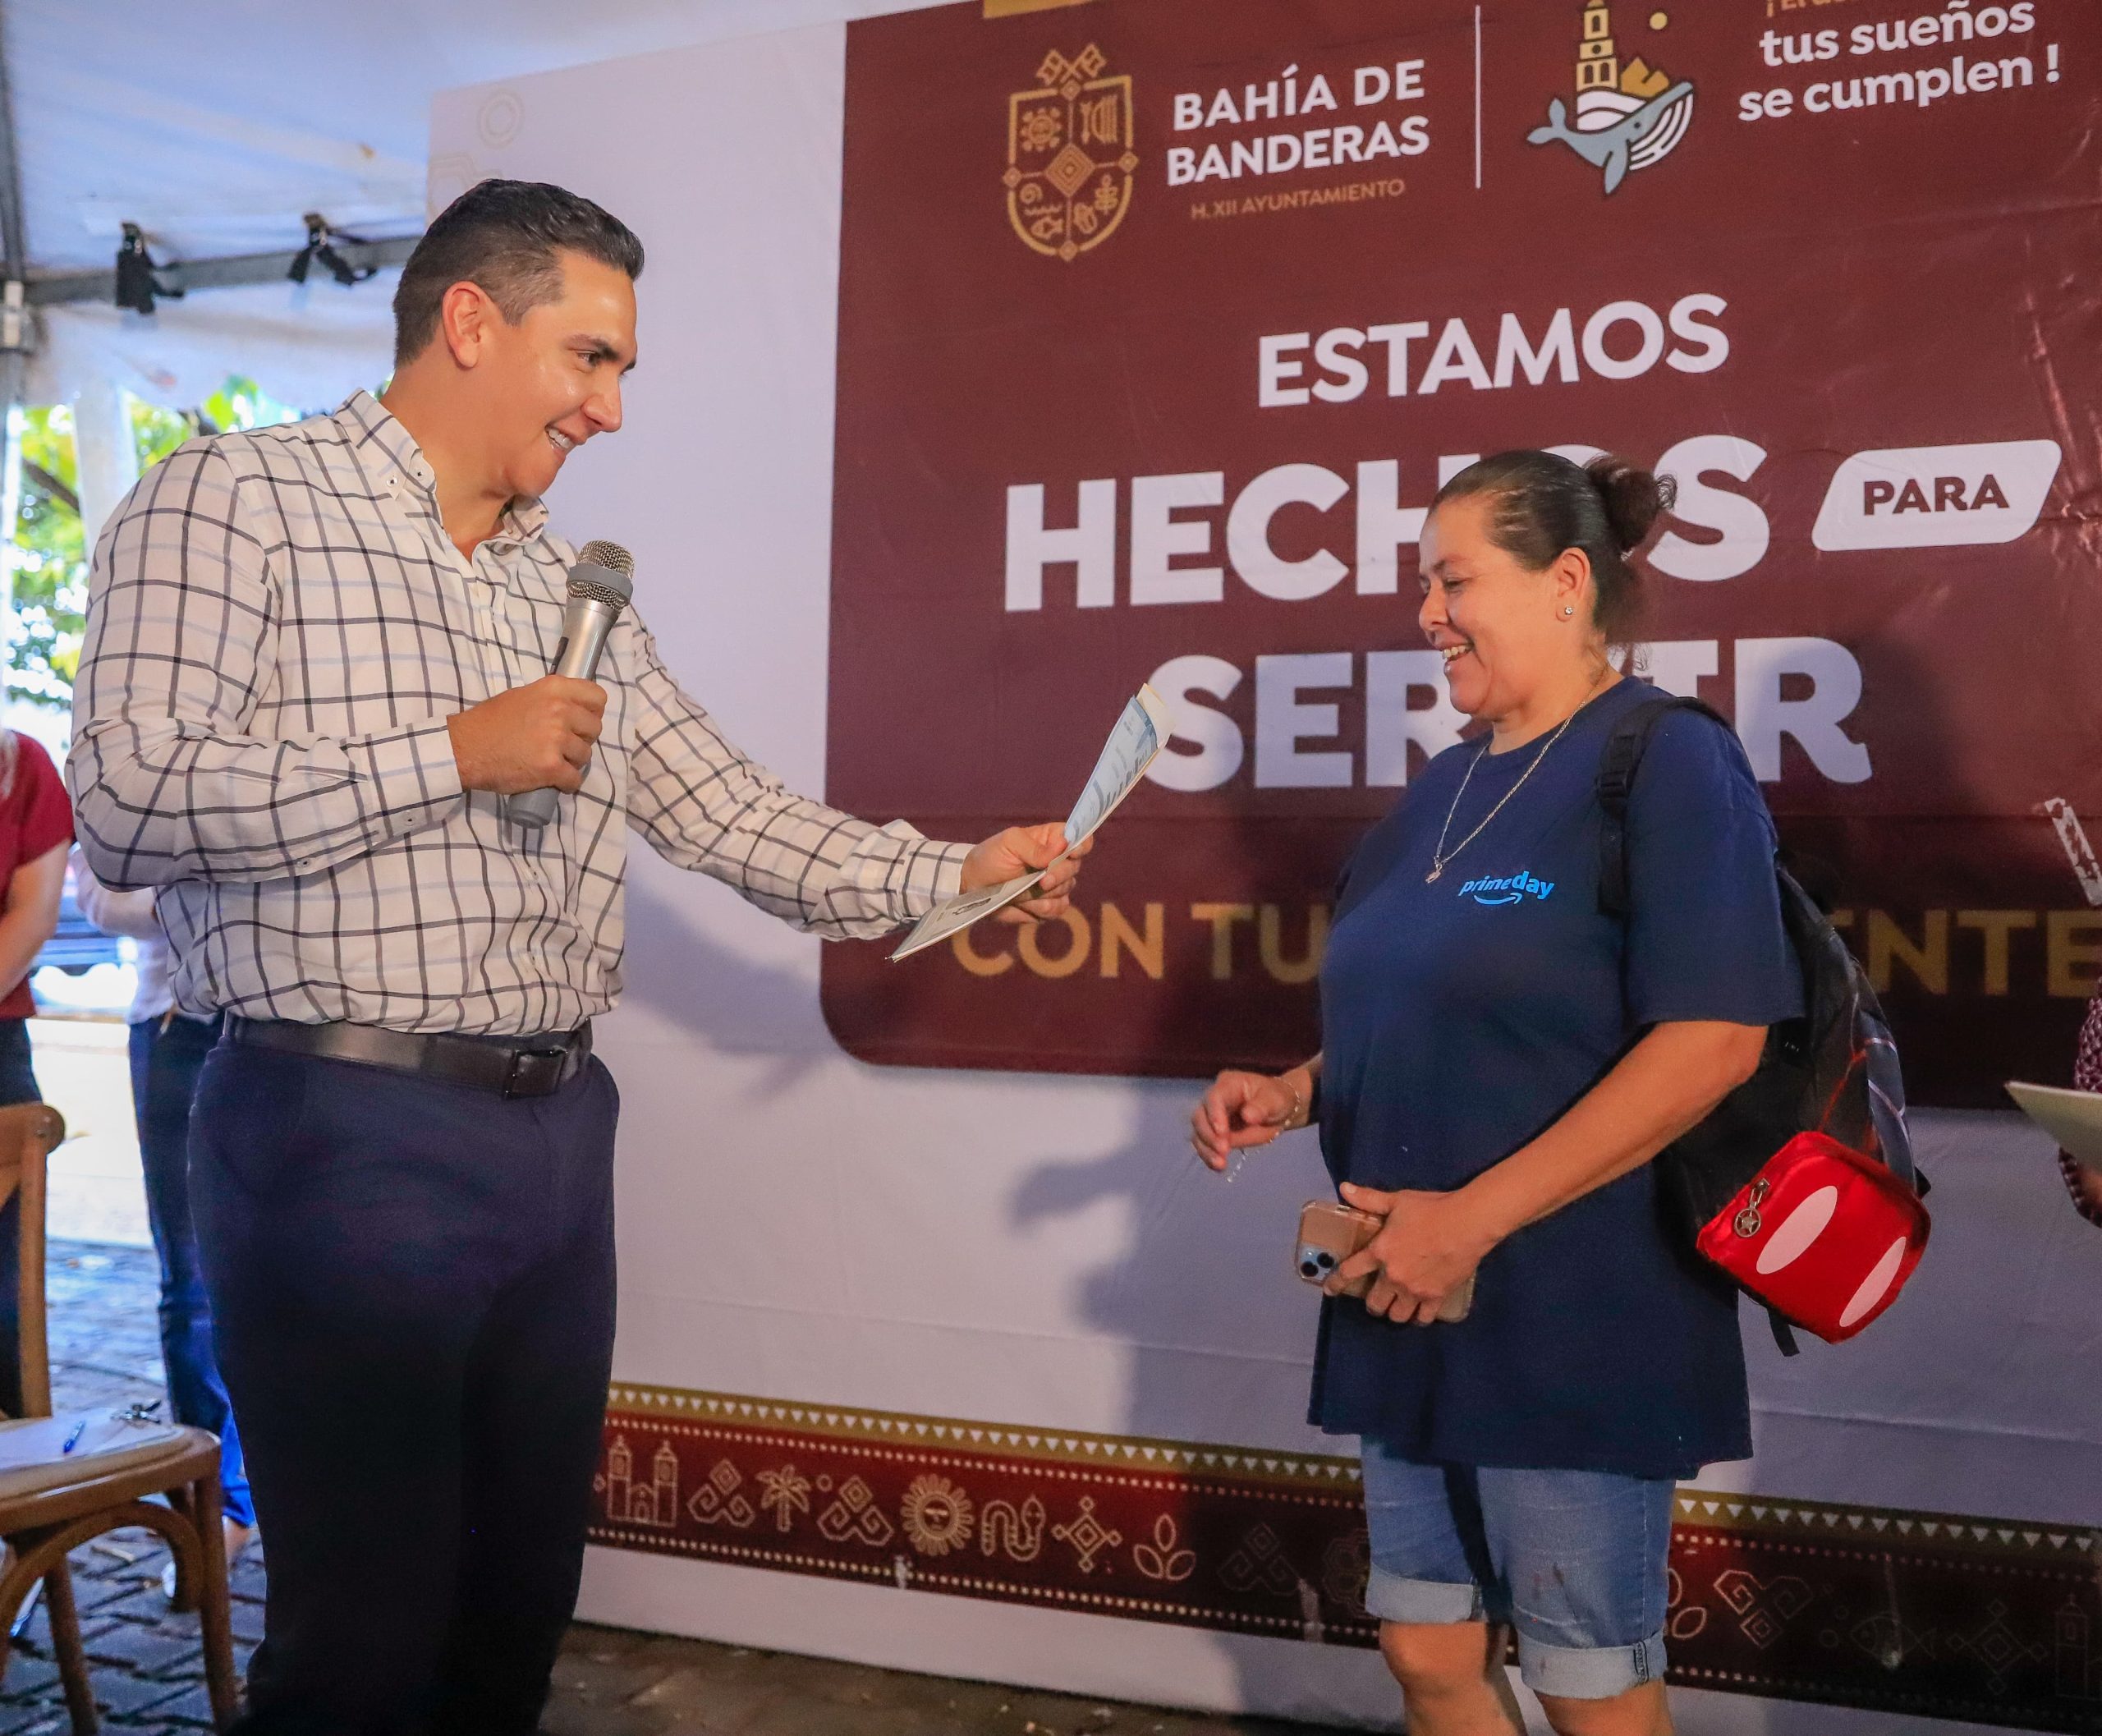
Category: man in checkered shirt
[314,668]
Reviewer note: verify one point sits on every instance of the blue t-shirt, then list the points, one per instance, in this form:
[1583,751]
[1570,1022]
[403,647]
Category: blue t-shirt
[1462,1017]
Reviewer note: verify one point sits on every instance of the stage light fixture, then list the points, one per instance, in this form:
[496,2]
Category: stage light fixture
[138,275]
[320,245]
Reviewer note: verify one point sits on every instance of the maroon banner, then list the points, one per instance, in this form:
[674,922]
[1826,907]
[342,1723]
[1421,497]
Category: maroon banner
[1159,326]
[1996,1621]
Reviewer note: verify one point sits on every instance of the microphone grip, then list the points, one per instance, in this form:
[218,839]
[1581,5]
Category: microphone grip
[584,637]
[532,809]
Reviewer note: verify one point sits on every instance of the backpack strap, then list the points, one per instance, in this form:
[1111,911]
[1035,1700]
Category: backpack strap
[1784,1335]
[1618,763]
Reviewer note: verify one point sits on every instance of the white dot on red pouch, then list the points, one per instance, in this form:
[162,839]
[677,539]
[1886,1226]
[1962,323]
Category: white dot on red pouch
[1878,1281]
[1799,1229]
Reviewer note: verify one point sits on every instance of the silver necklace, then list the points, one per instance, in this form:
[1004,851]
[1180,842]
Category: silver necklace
[1440,857]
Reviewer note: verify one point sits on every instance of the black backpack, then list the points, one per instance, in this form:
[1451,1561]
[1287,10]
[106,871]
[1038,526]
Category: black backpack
[1834,1071]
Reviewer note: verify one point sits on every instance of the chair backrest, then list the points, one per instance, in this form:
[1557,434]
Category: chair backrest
[29,1133]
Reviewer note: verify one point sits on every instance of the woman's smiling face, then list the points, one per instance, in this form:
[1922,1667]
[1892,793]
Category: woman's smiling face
[1499,627]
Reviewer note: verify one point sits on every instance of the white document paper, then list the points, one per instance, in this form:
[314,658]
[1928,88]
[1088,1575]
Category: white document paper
[2073,1118]
[1140,732]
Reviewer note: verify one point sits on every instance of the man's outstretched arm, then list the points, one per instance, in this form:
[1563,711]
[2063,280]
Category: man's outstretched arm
[704,804]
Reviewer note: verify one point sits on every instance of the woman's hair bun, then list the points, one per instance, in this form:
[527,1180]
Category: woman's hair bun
[1634,499]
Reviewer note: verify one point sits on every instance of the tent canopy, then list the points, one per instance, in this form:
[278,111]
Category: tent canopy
[215,127]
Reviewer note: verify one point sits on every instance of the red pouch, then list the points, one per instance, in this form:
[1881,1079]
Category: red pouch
[1823,1236]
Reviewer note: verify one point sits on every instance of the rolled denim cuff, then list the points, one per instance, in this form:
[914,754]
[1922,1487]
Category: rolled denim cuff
[1588,1673]
[1425,1601]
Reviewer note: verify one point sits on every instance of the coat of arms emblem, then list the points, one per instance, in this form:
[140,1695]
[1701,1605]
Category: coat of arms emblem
[1069,154]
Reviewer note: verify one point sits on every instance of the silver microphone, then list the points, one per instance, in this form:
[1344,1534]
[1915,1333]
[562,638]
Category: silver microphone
[601,586]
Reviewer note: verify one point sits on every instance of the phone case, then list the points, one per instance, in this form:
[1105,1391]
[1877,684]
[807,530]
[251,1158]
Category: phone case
[1329,1233]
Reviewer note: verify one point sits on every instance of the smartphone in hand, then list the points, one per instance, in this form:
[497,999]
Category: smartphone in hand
[1330,1233]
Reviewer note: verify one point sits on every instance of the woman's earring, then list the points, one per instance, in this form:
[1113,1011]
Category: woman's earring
[1568,608]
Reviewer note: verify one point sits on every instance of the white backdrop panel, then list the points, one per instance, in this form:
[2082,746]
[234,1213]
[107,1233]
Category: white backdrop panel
[1041,1250]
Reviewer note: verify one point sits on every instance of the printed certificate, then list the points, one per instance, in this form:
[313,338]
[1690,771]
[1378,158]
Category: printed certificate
[1140,732]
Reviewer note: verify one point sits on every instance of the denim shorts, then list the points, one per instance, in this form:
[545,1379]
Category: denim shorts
[1573,1560]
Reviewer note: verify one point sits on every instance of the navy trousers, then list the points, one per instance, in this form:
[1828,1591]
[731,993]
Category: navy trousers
[167,1056]
[412,1289]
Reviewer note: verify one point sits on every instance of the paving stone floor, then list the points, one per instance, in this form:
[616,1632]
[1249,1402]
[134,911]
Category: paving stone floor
[147,1662]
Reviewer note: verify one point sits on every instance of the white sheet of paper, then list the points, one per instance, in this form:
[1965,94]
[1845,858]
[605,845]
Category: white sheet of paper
[2073,1118]
[1141,731]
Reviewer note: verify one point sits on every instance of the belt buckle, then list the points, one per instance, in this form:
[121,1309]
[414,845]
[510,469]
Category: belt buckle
[533,1072]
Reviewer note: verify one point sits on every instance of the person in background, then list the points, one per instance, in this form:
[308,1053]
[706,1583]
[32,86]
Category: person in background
[168,1051]
[36,825]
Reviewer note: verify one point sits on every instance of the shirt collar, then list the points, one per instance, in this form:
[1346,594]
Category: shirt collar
[390,454]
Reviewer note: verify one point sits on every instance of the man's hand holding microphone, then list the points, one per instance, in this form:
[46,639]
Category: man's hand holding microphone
[534,737]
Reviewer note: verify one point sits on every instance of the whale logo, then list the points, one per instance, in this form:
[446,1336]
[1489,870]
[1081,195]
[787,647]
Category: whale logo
[1626,118]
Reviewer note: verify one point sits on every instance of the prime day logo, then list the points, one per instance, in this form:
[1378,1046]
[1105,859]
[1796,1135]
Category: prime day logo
[1512,889]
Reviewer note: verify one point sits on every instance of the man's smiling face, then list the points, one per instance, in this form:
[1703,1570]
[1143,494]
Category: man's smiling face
[555,377]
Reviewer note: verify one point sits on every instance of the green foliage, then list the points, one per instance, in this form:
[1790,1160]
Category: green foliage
[155,432]
[241,403]
[50,573]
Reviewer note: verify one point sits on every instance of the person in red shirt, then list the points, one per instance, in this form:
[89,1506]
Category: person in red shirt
[36,826]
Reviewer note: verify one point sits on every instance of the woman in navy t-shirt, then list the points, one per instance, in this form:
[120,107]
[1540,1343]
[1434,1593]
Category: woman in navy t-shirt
[1500,1062]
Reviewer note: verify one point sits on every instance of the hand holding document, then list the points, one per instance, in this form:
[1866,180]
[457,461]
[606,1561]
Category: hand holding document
[1140,733]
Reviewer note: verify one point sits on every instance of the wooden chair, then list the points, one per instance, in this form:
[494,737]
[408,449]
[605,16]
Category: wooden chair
[42,1526]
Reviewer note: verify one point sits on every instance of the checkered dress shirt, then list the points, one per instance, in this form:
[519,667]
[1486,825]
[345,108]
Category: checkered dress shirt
[278,628]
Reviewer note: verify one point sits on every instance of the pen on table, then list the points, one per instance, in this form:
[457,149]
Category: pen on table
[73,1439]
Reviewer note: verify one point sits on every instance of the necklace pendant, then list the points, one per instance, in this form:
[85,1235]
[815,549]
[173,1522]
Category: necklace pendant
[1433,873]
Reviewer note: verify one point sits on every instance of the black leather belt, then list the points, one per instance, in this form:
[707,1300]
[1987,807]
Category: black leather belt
[510,1067]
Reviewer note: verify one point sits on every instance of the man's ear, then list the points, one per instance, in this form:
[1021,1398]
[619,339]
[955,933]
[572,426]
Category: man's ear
[465,317]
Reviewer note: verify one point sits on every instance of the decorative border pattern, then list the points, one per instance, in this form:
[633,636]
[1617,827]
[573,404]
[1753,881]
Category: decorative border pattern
[1935,1615]
[1103,1523]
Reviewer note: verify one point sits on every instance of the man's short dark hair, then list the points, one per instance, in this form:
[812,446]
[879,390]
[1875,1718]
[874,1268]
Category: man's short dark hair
[503,236]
